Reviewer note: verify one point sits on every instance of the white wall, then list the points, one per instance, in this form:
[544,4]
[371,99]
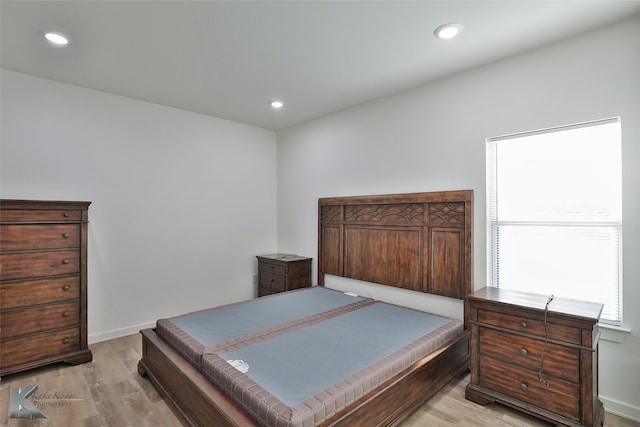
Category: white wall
[181,202]
[433,138]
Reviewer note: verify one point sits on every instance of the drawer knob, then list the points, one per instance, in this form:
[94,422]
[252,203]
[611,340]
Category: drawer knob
[65,341]
[523,351]
[66,235]
[66,214]
[272,267]
[65,314]
[65,261]
[273,280]
[523,386]
[66,288]
[523,324]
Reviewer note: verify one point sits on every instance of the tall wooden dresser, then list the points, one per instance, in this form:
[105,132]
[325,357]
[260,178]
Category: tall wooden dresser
[43,284]
[282,272]
[535,353]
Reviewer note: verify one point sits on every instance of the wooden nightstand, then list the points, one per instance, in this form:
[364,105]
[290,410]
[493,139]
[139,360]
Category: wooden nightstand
[543,363]
[282,272]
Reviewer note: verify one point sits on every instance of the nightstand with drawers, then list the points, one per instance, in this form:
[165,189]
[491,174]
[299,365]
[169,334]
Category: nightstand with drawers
[535,353]
[282,272]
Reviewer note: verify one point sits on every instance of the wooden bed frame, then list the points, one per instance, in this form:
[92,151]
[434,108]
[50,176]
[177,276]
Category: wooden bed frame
[443,230]
[198,403]
[419,241]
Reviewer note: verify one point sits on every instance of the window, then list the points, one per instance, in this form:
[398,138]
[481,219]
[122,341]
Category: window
[555,213]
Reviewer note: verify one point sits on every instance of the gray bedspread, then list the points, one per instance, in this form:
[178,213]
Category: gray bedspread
[298,358]
[321,355]
[195,333]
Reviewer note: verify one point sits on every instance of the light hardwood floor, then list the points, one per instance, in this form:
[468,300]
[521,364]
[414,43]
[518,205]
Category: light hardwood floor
[109,392]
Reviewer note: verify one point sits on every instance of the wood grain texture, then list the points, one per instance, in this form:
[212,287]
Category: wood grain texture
[43,283]
[367,257]
[38,318]
[199,403]
[509,332]
[559,361]
[282,272]
[46,263]
[111,393]
[104,392]
[417,241]
[41,291]
[31,237]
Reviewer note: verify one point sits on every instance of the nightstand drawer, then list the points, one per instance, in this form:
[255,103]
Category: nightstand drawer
[559,361]
[560,396]
[36,264]
[273,281]
[273,268]
[40,318]
[34,347]
[530,326]
[30,237]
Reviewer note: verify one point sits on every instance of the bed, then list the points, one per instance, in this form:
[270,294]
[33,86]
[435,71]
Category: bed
[282,365]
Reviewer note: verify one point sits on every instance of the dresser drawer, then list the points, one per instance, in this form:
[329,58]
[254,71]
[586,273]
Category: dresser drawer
[34,347]
[38,319]
[272,281]
[41,291]
[37,264]
[29,237]
[41,215]
[530,326]
[559,361]
[561,397]
[273,268]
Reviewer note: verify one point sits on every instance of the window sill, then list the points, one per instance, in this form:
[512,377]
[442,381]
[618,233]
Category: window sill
[613,333]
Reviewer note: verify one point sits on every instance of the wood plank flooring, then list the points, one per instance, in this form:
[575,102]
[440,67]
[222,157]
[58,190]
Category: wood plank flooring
[109,392]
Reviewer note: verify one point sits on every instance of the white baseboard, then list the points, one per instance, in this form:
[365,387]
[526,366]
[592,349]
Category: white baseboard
[621,409]
[117,333]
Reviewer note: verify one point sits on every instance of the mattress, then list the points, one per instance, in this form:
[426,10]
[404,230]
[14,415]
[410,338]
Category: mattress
[296,359]
[193,334]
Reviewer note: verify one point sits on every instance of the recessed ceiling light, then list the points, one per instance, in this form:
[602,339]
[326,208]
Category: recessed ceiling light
[447,31]
[277,104]
[58,39]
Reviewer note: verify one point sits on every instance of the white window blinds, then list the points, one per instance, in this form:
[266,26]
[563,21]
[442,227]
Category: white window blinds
[555,213]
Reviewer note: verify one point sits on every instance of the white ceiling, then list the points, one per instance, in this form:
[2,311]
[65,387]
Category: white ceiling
[230,58]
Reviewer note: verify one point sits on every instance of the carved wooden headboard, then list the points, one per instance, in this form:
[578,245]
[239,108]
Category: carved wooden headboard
[418,241]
